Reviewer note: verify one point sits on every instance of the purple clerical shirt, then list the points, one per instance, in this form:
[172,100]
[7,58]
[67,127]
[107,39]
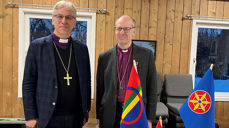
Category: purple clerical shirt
[125,63]
[61,45]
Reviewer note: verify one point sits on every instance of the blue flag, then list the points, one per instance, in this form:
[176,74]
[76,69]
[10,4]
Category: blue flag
[133,114]
[198,109]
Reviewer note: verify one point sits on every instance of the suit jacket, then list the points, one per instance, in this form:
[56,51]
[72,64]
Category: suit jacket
[40,79]
[106,95]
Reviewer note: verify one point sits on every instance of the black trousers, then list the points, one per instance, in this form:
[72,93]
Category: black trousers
[118,116]
[66,121]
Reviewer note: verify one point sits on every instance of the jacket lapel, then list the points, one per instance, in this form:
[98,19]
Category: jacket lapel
[77,56]
[51,57]
[137,57]
[78,60]
[114,67]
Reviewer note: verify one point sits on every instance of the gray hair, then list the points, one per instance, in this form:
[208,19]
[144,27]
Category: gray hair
[65,4]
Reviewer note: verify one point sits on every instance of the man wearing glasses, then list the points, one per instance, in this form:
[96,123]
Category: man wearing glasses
[57,80]
[113,71]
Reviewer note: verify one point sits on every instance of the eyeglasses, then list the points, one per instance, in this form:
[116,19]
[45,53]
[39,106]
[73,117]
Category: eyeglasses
[68,17]
[125,29]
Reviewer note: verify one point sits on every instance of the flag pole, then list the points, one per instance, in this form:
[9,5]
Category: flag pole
[211,66]
[135,65]
[160,119]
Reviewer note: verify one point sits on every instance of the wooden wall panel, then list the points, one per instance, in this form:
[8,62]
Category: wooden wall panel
[225,115]
[160,20]
[137,16]
[55,1]
[226,7]
[83,4]
[100,41]
[168,36]
[153,19]
[218,105]
[92,4]
[110,21]
[7,61]
[175,64]
[77,3]
[37,2]
[47,2]
[195,11]
[203,7]
[1,57]
[219,8]
[119,11]
[222,114]
[196,7]
[128,7]
[144,23]
[100,30]
[29,2]
[211,8]
[161,34]
[16,111]
[184,56]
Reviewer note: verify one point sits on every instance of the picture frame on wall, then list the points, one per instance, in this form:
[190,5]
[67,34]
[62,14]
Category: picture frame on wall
[150,44]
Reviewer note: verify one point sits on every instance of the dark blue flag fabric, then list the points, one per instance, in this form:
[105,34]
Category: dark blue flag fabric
[133,114]
[198,109]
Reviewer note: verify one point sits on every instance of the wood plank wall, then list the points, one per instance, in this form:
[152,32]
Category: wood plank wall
[160,20]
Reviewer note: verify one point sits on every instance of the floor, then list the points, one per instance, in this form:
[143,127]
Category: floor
[92,122]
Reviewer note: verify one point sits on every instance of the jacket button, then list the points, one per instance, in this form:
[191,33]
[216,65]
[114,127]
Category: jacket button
[55,86]
[53,103]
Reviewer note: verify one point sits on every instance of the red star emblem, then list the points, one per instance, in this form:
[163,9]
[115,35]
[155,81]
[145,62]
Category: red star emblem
[199,102]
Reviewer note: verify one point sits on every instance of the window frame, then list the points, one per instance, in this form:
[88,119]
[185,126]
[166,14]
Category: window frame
[198,23]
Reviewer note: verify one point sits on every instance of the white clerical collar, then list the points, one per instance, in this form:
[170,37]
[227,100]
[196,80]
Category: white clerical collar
[63,40]
[124,50]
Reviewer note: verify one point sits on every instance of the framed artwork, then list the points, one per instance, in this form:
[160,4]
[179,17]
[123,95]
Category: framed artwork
[150,44]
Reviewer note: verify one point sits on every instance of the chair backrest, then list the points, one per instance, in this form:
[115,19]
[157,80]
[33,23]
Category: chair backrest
[159,86]
[178,87]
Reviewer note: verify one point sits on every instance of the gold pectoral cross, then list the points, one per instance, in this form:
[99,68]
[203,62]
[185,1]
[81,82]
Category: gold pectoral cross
[68,78]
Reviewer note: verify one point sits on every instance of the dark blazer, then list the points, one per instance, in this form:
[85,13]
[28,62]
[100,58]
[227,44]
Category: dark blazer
[40,79]
[106,91]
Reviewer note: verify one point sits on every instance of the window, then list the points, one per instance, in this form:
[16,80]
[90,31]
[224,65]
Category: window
[35,23]
[210,44]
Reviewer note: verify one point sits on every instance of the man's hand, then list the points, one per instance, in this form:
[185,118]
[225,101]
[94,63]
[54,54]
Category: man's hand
[149,123]
[84,121]
[31,123]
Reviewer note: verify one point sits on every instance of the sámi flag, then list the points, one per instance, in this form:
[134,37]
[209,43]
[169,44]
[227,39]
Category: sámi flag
[133,114]
[198,109]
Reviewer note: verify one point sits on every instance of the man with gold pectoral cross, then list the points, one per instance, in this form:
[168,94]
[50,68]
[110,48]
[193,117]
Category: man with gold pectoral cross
[114,67]
[57,77]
